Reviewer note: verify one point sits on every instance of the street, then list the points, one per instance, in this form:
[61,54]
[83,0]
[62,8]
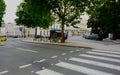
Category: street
[22,58]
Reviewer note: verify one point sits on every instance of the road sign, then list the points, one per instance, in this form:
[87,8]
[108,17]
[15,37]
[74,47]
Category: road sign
[21,28]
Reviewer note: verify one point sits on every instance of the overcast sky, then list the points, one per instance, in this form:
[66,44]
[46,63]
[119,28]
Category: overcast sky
[10,10]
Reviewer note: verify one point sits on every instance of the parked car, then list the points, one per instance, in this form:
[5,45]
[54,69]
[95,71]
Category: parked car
[92,36]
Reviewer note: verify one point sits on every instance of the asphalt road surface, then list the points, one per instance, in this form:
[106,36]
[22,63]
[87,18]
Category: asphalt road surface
[22,58]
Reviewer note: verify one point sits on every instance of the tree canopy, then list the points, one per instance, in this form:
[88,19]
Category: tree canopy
[67,11]
[106,18]
[28,15]
[2,10]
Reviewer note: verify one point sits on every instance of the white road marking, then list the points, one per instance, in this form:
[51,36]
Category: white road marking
[105,54]
[101,64]
[54,56]
[3,72]
[77,50]
[66,58]
[24,66]
[107,51]
[52,64]
[43,68]
[32,71]
[39,61]
[82,69]
[28,50]
[48,72]
[63,54]
[100,57]
[82,48]
[71,51]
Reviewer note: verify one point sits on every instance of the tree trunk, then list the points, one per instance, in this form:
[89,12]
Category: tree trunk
[62,34]
[24,31]
[0,30]
[35,32]
[114,36]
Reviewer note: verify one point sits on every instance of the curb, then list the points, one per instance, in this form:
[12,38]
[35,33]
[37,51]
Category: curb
[1,45]
[59,44]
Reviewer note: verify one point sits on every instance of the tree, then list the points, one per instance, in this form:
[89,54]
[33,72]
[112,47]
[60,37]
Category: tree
[27,16]
[67,11]
[2,10]
[107,18]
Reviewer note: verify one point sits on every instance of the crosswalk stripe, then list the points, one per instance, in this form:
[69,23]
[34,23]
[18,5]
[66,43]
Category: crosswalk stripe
[100,57]
[81,69]
[42,60]
[48,72]
[3,72]
[105,54]
[101,64]
[107,51]
[24,66]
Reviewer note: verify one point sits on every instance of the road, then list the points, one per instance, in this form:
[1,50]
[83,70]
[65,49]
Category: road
[21,58]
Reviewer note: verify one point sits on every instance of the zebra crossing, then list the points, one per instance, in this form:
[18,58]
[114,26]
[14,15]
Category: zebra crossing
[99,62]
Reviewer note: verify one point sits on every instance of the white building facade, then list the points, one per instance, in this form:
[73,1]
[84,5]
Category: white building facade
[14,30]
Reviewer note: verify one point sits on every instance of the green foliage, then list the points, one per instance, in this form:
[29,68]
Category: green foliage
[30,15]
[67,11]
[106,17]
[2,10]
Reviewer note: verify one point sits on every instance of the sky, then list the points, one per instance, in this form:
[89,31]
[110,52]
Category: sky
[11,7]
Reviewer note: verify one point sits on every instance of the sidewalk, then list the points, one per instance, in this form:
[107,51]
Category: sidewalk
[79,44]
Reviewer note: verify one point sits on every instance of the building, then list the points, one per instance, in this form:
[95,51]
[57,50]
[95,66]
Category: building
[81,29]
[12,29]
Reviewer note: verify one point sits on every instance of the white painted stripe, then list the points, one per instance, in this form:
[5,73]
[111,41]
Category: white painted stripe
[71,51]
[48,72]
[54,56]
[28,50]
[100,64]
[39,61]
[100,57]
[107,51]
[82,69]
[3,72]
[77,50]
[24,66]
[63,54]
[111,55]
